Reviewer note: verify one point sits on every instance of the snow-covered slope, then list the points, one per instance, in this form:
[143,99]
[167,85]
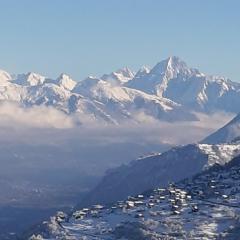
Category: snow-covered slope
[124,103]
[226,134]
[33,89]
[50,94]
[66,82]
[173,79]
[158,170]
[205,206]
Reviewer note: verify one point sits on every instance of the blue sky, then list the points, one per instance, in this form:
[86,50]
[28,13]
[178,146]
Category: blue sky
[93,37]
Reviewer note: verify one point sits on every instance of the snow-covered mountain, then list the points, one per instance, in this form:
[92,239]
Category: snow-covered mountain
[229,132]
[158,170]
[173,79]
[119,77]
[169,91]
[4,77]
[29,79]
[124,103]
[95,99]
[66,82]
[205,206]
[157,79]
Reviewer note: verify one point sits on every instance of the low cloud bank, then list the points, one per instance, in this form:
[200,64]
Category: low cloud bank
[13,115]
[41,123]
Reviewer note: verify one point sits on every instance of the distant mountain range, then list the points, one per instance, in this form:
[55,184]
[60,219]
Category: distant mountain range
[169,91]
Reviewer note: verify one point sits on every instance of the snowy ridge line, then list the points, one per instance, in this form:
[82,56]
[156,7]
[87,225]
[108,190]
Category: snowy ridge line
[170,91]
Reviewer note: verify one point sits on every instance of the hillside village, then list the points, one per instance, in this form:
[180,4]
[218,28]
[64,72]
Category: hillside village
[203,207]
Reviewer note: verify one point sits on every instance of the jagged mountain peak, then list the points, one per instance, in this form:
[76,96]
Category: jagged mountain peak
[30,79]
[119,77]
[5,76]
[66,81]
[126,71]
[157,79]
[170,62]
[64,76]
[172,66]
[173,79]
[142,71]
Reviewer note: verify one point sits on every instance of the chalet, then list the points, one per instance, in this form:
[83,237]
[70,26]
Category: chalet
[98,207]
[176,212]
[195,208]
[79,214]
[150,205]
[139,215]
[61,216]
[140,196]
[130,204]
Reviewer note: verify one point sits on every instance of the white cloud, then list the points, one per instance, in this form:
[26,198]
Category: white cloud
[13,115]
[46,121]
